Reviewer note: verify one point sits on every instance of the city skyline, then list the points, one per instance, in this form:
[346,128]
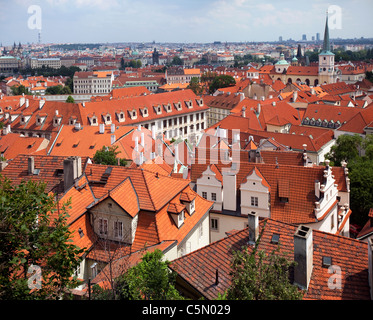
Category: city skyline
[114,21]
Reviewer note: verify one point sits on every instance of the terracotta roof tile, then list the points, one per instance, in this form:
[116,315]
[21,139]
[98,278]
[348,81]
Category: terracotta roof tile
[199,267]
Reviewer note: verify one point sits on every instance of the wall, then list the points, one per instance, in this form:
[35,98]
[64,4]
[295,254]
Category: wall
[226,223]
[114,213]
[197,238]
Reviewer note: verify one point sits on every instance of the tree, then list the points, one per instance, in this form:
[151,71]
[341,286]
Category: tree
[221,81]
[34,236]
[176,61]
[195,86]
[19,90]
[108,156]
[258,276]
[70,99]
[361,189]
[346,148]
[150,279]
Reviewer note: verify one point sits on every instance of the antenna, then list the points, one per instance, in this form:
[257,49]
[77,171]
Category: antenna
[39,36]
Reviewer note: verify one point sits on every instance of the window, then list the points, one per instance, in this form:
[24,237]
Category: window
[213,196]
[204,195]
[214,224]
[254,201]
[118,229]
[102,226]
[94,270]
[181,217]
[192,207]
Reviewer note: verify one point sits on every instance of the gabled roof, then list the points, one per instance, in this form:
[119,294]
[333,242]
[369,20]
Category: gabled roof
[49,170]
[14,144]
[71,141]
[300,182]
[198,269]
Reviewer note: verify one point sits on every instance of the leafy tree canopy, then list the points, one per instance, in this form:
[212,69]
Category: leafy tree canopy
[257,275]
[34,233]
[349,148]
[108,156]
[221,81]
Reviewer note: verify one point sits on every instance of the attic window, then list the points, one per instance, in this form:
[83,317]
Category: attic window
[81,233]
[275,238]
[59,172]
[326,262]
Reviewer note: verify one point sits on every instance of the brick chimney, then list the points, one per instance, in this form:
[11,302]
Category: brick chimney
[303,256]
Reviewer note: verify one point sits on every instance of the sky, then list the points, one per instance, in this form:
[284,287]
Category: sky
[182,21]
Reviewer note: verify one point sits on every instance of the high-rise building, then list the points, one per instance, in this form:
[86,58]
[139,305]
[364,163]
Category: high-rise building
[304,37]
[280,38]
[318,36]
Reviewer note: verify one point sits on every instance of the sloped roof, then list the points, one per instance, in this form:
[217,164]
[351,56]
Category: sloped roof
[50,171]
[198,268]
[299,181]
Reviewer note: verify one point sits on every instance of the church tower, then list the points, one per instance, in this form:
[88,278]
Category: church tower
[326,59]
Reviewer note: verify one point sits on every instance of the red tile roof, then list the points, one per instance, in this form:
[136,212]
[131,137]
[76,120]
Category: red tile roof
[50,171]
[14,144]
[198,268]
[298,180]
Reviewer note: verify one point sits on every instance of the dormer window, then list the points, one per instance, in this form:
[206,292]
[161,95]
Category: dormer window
[167,107]
[189,104]
[181,217]
[133,114]
[200,102]
[120,116]
[56,121]
[40,119]
[157,109]
[144,112]
[72,121]
[178,106]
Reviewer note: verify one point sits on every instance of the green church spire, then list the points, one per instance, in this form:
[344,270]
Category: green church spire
[326,45]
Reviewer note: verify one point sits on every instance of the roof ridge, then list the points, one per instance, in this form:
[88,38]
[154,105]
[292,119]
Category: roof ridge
[147,188]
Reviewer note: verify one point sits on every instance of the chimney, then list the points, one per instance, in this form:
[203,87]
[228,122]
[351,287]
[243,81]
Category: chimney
[102,128]
[317,189]
[295,96]
[370,267]
[136,143]
[243,112]
[143,139]
[112,128]
[72,169]
[303,256]
[253,224]
[153,132]
[113,139]
[27,103]
[30,165]
[229,189]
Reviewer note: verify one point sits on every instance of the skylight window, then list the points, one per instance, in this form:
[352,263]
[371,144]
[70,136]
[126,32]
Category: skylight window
[275,238]
[326,262]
